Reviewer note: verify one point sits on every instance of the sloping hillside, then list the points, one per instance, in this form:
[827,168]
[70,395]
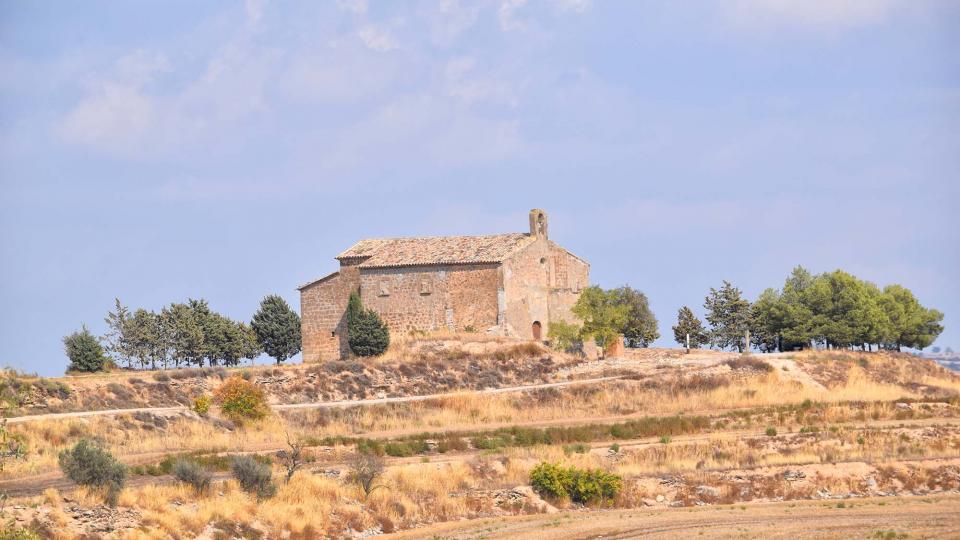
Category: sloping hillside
[422,366]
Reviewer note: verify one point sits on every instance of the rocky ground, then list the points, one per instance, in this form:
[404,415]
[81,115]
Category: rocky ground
[421,367]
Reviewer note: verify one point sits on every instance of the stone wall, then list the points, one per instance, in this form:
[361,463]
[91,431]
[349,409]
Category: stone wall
[541,284]
[429,298]
[323,306]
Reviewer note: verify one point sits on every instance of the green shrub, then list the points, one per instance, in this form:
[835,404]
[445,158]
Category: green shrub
[452,443]
[201,405]
[564,336]
[254,477]
[489,443]
[579,485]
[87,464]
[665,439]
[578,448]
[771,432]
[406,449]
[593,485]
[370,446]
[550,480]
[84,351]
[241,400]
[192,473]
[367,334]
[615,448]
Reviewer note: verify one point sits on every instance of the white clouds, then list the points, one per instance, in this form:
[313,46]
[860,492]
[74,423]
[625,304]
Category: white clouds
[357,7]
[344,73]
[377,38]
[116,111]
[825,14]
[507,14]
[576,6]
[425,129]
[453,19]
[462,81]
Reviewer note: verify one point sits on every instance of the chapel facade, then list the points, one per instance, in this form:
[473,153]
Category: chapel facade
[512,284]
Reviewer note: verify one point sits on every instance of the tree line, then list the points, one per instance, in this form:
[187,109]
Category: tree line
[185,334]
[832,310]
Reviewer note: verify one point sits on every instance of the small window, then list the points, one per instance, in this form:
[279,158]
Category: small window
[426,287]
[333,334]
[543,260]
[384,287]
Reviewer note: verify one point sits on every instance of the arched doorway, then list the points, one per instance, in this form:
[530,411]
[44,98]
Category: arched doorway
[536,330]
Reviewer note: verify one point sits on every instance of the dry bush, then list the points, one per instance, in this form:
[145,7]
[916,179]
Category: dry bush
[241,400]
[748,363]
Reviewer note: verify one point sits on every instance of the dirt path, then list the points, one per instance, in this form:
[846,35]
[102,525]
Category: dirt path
[913,517]
[787,368]
[319,405]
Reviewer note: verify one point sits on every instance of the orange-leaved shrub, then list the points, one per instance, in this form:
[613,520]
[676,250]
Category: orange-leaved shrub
[241,400]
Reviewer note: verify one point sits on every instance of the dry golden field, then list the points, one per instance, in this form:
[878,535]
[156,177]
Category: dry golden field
[681,431]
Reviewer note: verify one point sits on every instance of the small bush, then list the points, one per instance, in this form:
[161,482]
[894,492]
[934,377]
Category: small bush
[254,477]
[405,449]
[87,464]
[550,480]
[615,448]
[748,363]
[665,439]
[578,448]
[579,485]
[365,470]
[192,473]
[771,432]
[241,400]
[84,351]
[452,444]
[201,405]
[161,376]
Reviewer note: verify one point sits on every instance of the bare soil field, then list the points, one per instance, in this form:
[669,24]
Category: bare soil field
[806,445]
[913,517]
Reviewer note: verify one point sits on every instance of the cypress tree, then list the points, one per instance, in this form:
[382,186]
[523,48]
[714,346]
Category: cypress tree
[277,328]
[367,334]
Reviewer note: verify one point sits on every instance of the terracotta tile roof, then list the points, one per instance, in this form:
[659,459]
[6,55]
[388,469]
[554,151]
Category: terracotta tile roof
[391,252]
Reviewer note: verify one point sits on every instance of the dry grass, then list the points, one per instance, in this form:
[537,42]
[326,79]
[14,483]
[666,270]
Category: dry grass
[667,394]
[416,494]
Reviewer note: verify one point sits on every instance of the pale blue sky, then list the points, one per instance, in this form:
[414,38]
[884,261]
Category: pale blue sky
[162,150]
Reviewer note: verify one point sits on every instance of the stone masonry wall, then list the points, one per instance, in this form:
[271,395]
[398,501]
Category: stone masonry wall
[323,308]
[542,283]
[433,297]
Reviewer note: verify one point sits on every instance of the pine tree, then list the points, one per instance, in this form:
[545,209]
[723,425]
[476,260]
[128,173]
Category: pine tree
[765,321]
[117,338]
[84,351]
[729,316]
[185,334]
[367,334]
[277,328]
[689,324]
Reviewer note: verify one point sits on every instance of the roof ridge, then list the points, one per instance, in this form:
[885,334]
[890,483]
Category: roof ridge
[443,236]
